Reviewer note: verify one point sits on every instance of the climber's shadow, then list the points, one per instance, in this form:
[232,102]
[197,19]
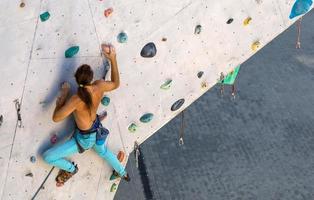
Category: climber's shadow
[65,73]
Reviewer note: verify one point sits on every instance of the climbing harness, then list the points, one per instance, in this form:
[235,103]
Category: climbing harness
[136,153]
[298,43]
[181,142]
[18,111]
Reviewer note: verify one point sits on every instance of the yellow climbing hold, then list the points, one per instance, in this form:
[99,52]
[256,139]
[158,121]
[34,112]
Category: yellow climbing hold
[113,187]
[247,21]
[255,45]
[204,85]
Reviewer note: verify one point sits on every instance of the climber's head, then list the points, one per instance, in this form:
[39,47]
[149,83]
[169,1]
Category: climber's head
[84,76]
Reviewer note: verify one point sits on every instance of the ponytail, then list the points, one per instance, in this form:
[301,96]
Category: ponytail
[84,76]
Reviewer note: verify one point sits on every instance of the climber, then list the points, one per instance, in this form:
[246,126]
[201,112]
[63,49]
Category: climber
[89,132]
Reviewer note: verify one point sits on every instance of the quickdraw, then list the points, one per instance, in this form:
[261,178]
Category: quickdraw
[181,142]
[18,111]
[136,153]
[298,42]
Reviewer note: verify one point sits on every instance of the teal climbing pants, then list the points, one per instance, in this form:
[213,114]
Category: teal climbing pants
[56,155]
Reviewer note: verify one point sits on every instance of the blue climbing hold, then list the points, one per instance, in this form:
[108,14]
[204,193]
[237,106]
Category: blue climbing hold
[300,7]
[44,16]
[122,37]
[146,117]
[177,104]
[70,52]
[33,159]
[105,101]
[149,50]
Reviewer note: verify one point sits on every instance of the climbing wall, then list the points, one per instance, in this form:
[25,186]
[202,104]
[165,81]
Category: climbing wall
[169,53]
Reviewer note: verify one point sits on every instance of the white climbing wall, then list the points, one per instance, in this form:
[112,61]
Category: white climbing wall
[33,66]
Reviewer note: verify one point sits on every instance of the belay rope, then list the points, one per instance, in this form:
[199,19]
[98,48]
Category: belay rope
[298,42]
[181,142]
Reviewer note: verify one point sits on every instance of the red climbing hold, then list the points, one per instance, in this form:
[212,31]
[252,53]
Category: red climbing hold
[108,12]
[53,139]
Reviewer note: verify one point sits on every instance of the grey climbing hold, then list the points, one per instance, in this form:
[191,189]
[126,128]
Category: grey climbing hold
[30,174]
[105,101]
[230,21]
[22,4]
[33,159]
[198,29]
[132,127]
[44,16]
[146,117]
[70,52]
[166,84]
[177,104]
[122,37]
[1,119]
[200,74]
[149,50]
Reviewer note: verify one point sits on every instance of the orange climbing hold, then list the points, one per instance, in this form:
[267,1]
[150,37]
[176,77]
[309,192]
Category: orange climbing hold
[120,156]
[108,12]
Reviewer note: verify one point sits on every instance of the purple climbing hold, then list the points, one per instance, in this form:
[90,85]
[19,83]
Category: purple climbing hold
[177,104]
[200,74]
[33,159]
[149,50]
[53,139]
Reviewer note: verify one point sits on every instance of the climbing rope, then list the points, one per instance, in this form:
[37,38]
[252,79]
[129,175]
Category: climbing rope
[298,42]
[18,111]
[136,153]
[181,142]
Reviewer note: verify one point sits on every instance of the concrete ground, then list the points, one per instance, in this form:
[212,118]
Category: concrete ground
[258,146]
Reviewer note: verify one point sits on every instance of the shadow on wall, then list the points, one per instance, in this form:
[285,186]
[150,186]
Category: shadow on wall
[65,73]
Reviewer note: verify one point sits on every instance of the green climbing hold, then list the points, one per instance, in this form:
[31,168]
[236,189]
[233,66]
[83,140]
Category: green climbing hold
[113,187]
[44,16]
[70,52]
[132,128]
[230,78]
[146,117]
[166,85]
[114,176]
[122,37]
[105,101]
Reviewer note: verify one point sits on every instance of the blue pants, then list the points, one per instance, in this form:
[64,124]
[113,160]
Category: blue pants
[55,155]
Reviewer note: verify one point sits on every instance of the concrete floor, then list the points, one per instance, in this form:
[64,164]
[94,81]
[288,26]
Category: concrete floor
[258,146]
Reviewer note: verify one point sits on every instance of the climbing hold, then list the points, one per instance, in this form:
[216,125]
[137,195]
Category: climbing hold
[149,50]
[120,156]
[1,120]
[102,115]
[113,187]
[44,16]
[247,21]
[164,39]
[229,21]
[122,37]
[166,85]
[197,29]
[30,174]
[146,117]
[22,5]
[114,176]
[200,74]
[300,7]
[132,127]
[204,85]
[105,101]
[255,45]
[177,104]
[33,159]
[53,139]
[108,12]
[70,52]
